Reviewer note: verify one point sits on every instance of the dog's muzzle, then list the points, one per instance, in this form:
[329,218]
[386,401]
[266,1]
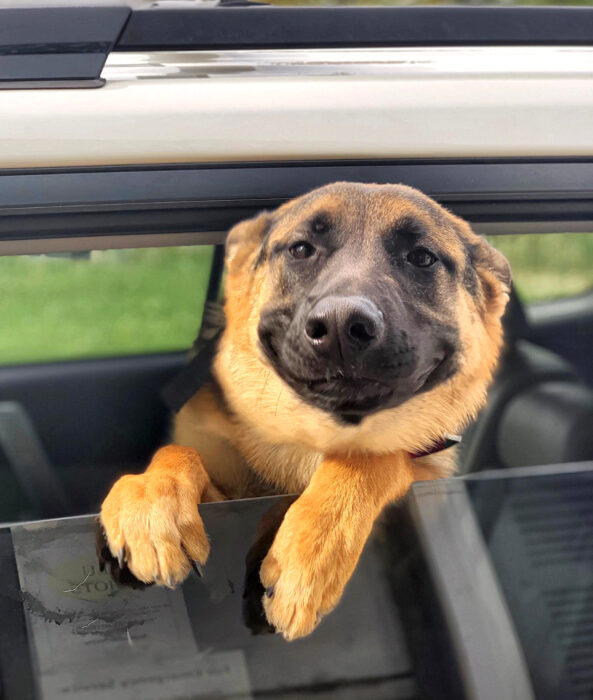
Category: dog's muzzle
[344,356]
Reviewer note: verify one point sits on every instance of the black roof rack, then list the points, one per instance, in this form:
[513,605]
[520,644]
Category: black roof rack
[354,27]
[70,44]
[57,43]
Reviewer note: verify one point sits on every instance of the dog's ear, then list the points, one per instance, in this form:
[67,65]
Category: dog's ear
[494,273]
[486,257]
[246,241]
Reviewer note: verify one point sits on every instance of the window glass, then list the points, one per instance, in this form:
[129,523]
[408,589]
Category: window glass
[103,303]
[549,266]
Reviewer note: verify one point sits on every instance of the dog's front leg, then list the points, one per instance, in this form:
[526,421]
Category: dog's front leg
[323,534]
[151,520]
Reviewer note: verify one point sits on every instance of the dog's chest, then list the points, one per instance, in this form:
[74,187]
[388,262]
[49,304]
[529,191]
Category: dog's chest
[287,468]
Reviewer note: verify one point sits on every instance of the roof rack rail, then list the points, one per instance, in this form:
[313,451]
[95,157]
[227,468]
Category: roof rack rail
[67,42]
[266,27]
[48,46]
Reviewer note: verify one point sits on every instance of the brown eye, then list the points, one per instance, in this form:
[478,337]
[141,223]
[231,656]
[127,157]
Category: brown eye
[421,257]
[301,250]
[320,225]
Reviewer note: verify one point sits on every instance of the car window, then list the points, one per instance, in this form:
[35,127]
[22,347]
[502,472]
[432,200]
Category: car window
[549,266]
[122,302]
[102,303]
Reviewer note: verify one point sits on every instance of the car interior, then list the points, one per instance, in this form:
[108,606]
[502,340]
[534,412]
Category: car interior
[69,428]
[92,420]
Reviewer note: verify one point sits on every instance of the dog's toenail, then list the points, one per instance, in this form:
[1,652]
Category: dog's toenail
[197,567]
[270,591]
[121,560]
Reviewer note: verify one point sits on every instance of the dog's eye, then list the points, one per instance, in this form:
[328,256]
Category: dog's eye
[421,257]
[301,250]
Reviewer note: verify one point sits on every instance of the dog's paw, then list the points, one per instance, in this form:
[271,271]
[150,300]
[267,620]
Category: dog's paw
[254,616]
[305,572]
[151,520]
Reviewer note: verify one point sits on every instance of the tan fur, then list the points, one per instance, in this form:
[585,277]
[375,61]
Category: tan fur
[262,438]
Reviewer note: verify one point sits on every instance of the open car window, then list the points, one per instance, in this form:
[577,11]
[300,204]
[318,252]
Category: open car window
[106,303]
[101,303]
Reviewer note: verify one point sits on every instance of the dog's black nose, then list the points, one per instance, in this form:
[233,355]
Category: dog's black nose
[344,327]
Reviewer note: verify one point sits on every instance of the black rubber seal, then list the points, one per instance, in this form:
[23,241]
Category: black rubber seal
[16,666]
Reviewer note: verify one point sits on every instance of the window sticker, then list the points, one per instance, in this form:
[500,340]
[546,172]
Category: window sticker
[91,638]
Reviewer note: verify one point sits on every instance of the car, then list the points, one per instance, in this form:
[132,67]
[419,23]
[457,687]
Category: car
[133,136]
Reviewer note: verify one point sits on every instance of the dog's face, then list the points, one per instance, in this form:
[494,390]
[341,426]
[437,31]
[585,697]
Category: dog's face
[361,298]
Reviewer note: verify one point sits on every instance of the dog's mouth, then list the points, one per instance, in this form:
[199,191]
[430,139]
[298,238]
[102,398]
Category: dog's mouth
[348,396]
[353,398]
[355,393]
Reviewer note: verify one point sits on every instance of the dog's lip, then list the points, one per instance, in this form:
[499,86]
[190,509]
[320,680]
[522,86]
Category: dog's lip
[344,380]
[339,380]
[350,396]
[266,344]
[426,375]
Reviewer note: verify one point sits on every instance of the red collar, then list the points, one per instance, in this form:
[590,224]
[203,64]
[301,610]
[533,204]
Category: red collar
[446,442]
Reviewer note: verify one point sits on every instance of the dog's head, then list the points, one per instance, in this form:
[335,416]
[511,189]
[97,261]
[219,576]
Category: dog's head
[359,301]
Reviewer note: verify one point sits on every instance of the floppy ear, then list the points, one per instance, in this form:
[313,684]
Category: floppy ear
[494,272]
[245,241]
[488,258]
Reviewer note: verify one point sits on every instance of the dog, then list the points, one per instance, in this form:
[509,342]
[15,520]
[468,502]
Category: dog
[362,325]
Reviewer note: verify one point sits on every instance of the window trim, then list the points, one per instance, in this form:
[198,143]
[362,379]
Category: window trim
[118,206]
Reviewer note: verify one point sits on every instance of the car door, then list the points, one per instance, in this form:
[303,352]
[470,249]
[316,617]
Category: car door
[124,173]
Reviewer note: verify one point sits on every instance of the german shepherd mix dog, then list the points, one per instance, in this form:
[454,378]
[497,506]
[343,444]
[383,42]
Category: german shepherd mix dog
[362,325]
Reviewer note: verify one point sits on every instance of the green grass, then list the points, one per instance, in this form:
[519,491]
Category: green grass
[142,301]
[116,302]
[549,266]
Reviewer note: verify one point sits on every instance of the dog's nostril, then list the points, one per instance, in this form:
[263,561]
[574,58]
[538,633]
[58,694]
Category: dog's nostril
[362,332]
[316,329]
